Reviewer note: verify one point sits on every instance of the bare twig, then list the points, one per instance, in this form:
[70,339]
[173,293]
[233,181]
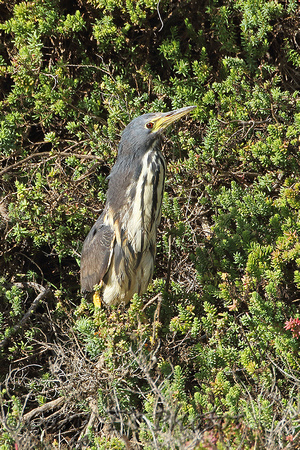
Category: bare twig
[43,408]
[245,122]
[286,374]
[169,264]
[50,155]
[159,16]
[26,316]
[152,300]
[92,419]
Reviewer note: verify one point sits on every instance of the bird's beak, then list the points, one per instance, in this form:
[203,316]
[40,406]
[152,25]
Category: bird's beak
[165,119]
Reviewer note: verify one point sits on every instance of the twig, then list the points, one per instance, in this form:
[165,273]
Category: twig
[30,284]
[152,300]
[26,316]
[38,267]
[51,155]
[245,122]
[13,166]
[159,16]
[93,416]
[296,380]
[43,408]
[169,264]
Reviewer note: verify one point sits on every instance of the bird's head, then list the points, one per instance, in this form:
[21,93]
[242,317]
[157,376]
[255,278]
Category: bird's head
[142,132]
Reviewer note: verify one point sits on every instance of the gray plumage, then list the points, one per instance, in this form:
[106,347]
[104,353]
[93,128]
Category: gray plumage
[119,252]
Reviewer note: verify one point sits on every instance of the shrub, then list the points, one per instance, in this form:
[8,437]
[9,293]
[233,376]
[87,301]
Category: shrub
[209,356]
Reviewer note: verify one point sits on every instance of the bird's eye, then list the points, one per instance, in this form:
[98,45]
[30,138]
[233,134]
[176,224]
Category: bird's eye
[150,125]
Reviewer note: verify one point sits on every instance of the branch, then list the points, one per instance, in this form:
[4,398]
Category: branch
[51,155]
[43,408]
[245,122]
[169,264]
[26,316]
[92,419]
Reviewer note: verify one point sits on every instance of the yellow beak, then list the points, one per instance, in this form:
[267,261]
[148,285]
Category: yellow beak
[165,119]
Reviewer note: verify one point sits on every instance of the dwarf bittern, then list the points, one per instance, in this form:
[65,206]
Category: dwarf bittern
[118,254]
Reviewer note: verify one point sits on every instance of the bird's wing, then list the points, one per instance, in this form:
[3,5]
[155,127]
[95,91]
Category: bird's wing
[96,255]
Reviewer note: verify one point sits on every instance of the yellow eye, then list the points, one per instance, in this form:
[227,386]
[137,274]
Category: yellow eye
[150,125]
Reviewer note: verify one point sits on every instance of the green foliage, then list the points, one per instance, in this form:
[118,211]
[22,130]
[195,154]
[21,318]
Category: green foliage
[209,356]
[12,299]
[256,26]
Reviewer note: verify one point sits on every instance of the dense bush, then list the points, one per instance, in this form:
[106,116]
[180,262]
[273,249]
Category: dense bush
[209,357]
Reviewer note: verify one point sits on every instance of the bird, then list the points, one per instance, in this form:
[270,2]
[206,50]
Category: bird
[118,254]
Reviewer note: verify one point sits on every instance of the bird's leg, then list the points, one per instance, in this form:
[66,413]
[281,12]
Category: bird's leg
[97,300]
[97,296]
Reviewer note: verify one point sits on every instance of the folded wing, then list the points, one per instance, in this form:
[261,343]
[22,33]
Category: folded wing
[96,255]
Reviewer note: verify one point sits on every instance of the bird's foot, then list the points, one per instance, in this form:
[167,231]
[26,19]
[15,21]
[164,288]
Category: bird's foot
[97,300]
